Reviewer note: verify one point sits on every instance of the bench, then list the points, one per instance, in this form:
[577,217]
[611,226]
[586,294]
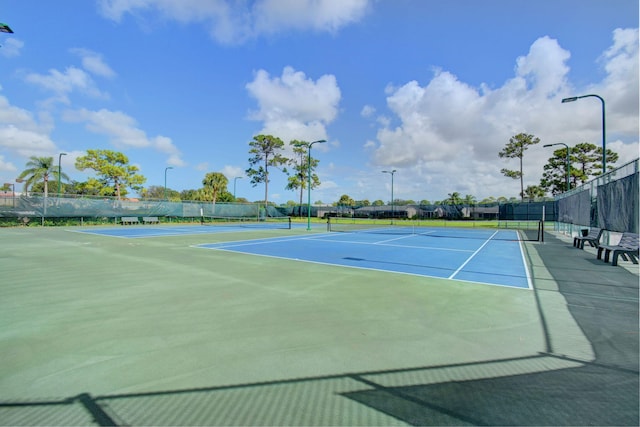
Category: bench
[593,238]
[129,220]
[150,220]
[628,248]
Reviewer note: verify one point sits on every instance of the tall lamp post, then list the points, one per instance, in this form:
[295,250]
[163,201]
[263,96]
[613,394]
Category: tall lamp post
[234,186]
[568,162]
[604,138]
[165,180]
[60,170]
[392,202]
[320,141]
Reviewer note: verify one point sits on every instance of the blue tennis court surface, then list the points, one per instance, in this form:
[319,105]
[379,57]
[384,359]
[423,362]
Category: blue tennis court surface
[482,256]
[133,232]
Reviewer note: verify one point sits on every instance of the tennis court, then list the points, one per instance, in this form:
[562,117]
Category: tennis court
[222,325]
[487,256]
[483,256]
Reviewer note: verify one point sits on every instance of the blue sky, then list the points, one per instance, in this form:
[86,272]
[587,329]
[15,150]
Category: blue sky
[433,89]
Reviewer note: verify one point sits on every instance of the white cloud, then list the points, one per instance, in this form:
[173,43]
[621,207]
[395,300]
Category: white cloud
[233,22]
[202,166]
[94,63]
[544,68]
[10,114]
[165,145]
[63,83]
[233,171]
[273,16]
[367,111]
[21,133]
[450,133]
[621,84]
[370,144]
[123,132]
[25,142]
[6,166]
[293,106]
[11,47]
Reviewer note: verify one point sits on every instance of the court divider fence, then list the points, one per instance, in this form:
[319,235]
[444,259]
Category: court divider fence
[38,209]
[609,202]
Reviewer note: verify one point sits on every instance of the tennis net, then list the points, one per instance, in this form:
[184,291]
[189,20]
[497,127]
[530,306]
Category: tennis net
[249,222]
[496,230]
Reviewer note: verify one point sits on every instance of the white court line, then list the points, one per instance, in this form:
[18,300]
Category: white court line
[472,255]
[391,240]
[526,265]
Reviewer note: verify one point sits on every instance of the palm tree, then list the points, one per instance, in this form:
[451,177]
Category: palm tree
[39,169]
[455,201]
[454,198]
[214,184]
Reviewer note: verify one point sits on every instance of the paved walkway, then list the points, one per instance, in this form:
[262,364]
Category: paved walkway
[107,331]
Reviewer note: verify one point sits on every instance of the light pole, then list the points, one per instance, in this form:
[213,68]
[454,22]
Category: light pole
[165,180]
[234,186]
[568,163]
[604,132]
[320,141]
[60,170]
[392,203]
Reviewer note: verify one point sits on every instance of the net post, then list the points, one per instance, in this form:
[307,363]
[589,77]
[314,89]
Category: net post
[541,225]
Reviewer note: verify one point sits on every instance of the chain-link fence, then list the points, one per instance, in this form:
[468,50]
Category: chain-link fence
[51,210]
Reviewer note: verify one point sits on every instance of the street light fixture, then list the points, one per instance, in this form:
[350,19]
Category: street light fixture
[568,162]
[320,141]
[604,138]
[392,202]
[165,180]
[234,186]
[60,170]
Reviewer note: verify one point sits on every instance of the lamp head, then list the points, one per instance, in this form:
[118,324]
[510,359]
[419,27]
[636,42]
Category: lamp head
[571,99]
[4,28]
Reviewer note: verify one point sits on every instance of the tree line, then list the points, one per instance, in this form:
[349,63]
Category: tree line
[575,165]
[115,176]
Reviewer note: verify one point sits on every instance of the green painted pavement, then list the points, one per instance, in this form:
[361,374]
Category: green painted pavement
[154,331]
